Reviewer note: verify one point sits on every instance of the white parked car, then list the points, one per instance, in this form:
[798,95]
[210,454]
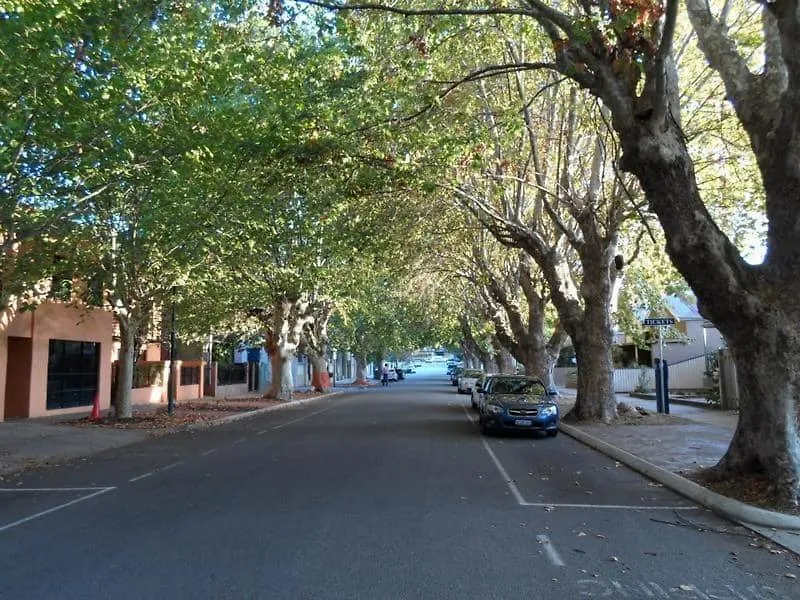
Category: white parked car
[392,375]
[479,390]
[467,379]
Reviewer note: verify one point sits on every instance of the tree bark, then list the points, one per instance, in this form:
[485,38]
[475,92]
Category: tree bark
[595,371]
[755,307]
[320,379]
[123,408]
[503,360]
[361,367]
[766,438]
[289,317]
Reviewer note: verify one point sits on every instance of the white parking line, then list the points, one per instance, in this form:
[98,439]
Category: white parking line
[512,486]
[55,508]
[509,482]
[550,551]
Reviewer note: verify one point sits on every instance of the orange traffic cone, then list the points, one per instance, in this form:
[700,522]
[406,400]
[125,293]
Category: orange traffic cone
[96,408]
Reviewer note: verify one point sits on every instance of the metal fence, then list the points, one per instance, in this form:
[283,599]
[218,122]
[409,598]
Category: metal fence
[690,374]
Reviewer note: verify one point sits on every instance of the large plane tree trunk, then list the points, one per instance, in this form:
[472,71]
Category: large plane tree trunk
[361,369]
[320,379]
[755,307]
[123,386]
[766,437]
[289,317]
[592,343]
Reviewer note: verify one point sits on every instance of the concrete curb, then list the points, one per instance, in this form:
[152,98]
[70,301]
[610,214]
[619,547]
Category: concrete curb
[254,413]
[727,507]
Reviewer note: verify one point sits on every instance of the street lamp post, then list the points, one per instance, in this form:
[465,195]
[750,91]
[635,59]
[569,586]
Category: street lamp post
[172,383]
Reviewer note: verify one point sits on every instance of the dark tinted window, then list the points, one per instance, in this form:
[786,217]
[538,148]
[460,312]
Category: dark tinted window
[72,373]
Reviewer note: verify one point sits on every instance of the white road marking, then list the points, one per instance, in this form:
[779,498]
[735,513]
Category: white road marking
[512,486]
[510,482]
[262,432]
[55,508]
[207,452]
[304,417]
[658,589]
[614,506]
[240,440]
[700,594]
[65,489]
[154,471]
[550,551]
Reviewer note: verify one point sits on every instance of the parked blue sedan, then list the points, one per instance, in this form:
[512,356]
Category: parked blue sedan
[518,403]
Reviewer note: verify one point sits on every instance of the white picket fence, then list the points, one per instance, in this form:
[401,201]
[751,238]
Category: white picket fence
[685,375]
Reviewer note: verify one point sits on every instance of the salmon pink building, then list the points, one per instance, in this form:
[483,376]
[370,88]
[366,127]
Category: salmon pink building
[54,360]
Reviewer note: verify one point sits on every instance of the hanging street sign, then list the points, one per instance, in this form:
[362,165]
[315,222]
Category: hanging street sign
[659,322]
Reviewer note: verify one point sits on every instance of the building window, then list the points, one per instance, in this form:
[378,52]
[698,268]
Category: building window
[72,373]
[190,375]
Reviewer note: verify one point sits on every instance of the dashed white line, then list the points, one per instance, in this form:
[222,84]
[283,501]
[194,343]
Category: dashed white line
[262,432]
[55,508]
[240,440]
[304,417]
[207,452]
[552,554]
[154,471]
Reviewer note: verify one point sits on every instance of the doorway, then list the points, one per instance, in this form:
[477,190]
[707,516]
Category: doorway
[18,378]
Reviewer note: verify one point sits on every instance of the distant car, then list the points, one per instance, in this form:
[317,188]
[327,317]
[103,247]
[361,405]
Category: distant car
[467,379]
[454,375]
[518,403]
[392,376]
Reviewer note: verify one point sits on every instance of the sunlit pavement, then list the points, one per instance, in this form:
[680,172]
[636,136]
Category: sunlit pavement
[377,494]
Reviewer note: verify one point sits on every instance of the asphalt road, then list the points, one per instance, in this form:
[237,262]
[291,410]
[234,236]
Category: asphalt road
[386,493]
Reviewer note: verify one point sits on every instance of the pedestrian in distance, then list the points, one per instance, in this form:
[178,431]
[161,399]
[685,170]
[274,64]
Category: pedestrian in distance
[385,374]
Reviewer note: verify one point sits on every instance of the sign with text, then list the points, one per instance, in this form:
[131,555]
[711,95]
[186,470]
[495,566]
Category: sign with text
[659,321]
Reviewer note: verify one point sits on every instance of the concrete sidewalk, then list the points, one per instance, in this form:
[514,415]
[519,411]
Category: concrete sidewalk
[664,451]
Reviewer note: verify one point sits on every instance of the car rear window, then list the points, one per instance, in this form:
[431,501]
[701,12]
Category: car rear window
[518,386]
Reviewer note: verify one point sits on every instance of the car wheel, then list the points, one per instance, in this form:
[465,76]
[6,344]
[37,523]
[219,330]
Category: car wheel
[552,433]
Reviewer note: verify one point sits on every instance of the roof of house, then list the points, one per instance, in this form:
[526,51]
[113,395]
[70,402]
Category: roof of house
[681,309]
